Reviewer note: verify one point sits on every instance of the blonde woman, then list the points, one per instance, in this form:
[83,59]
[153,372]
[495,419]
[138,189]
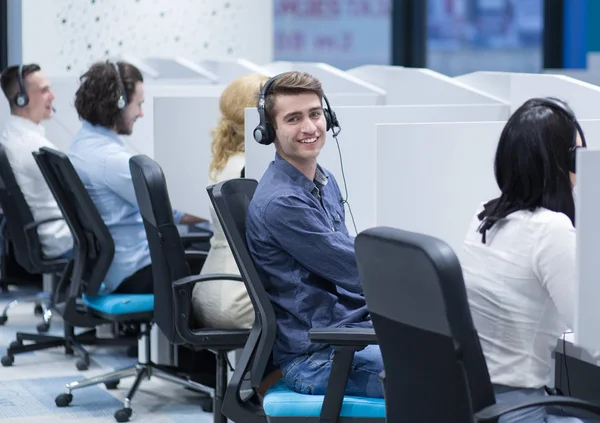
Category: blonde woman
[225,304]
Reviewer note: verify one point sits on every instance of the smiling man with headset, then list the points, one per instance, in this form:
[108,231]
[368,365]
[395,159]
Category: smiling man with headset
[298,239]
[30,97]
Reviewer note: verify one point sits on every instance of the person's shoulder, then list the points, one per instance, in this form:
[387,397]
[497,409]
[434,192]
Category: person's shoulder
[552,220]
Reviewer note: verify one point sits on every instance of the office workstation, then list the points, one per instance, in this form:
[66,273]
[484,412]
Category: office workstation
[413,159]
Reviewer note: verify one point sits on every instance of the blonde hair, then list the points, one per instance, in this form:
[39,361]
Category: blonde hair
[228,136]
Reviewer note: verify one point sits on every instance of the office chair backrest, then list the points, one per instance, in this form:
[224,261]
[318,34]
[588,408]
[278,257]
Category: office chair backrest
[413,285]
[94,247]
[18,215]
[230,200]
[166,250]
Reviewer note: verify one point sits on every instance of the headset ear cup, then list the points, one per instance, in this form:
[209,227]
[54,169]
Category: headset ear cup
[328,119]
[264,134]
[573,159]
[270,133]
[21,100]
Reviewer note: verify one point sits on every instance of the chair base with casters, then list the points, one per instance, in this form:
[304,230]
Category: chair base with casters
[140,371]
[102,306]
[42,308]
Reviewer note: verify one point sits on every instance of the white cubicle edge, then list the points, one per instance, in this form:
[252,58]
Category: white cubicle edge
[333,79]
[421,86]
[180,67]
[519,87]
[357,145]
[495,83]
[182,146]
[228,70]
[587,203]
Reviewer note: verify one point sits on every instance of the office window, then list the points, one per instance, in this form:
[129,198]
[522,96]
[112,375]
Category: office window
[342,33]
[471,35]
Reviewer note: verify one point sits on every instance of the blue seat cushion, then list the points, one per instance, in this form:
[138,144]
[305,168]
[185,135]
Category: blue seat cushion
[281,401]
[120,304]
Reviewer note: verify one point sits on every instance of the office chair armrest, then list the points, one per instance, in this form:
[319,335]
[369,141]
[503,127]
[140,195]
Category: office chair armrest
[195,254]
[493,412]
[34,225]
[204,278]
[350,337]
[192,237]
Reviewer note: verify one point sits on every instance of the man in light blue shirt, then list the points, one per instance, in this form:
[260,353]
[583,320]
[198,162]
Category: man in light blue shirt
[108,102]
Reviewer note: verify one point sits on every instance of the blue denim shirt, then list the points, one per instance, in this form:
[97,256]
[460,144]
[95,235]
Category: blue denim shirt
[102,162]
[300,245]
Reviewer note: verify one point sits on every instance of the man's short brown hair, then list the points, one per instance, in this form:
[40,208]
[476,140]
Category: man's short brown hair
[290,83]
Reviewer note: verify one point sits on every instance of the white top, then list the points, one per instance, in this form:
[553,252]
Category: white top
[20,138]
[222,304]
[521,289]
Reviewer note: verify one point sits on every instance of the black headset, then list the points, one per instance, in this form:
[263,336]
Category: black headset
[21,99]
[264,133]
[566,111]
[122,101]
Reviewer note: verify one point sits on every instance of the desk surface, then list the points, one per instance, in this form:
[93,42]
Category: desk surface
[569,348]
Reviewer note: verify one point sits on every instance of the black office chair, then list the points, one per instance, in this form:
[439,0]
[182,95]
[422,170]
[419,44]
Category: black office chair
[21,228]
[173,282]
[243,400]
[434,365]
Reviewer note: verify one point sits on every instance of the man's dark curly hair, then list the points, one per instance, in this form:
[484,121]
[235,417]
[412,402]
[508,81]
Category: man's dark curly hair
[97,97]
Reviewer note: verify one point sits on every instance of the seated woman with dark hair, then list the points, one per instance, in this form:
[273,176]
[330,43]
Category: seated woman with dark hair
[519,253]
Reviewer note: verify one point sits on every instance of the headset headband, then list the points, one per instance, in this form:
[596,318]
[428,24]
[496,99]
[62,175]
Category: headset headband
[21,99]
[122,101]
[568,113]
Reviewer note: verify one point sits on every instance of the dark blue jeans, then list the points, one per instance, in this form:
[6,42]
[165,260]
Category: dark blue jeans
[309,373]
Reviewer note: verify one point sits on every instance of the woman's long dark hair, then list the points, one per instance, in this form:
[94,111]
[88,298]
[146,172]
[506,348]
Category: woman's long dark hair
[532,163]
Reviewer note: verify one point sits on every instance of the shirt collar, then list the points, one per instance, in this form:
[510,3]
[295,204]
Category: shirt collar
[26,124]
[101,130]
[321,178]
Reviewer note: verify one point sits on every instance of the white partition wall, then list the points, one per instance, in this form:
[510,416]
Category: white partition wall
[182,146]
[421,86]
[516,88]
[142,139]
[334,80]
[587,204]
[358,147]
[431,177]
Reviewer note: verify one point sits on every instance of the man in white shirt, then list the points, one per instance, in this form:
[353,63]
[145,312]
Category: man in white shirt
[28,92]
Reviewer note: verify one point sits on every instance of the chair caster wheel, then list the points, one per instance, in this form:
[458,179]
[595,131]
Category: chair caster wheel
[43,327]
[3,320]
[38,310]
[113,384]
[15,344]
[8,360]
[63,400]
[81,365]
[123,415]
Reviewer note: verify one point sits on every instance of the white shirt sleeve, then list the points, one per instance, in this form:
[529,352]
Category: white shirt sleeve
[554,265]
